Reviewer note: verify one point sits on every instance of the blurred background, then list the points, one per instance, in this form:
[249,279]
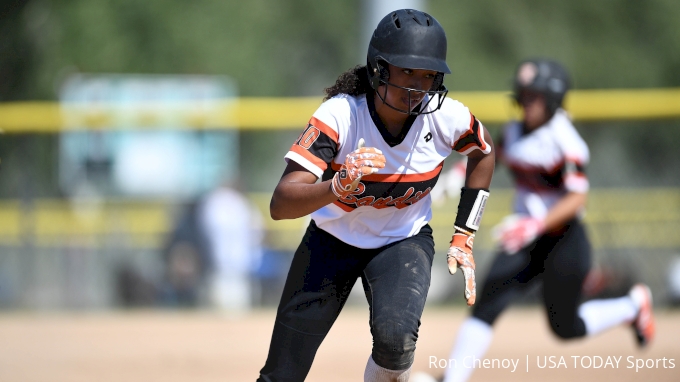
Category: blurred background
[141,140]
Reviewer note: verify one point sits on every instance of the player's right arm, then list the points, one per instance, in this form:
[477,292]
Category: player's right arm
[297,194]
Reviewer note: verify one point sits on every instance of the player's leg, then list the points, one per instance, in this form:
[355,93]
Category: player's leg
[635,308]
[321,276]
[508,276]
[643,325]
[601,314]
[396,281]
[566,268]
[472,341]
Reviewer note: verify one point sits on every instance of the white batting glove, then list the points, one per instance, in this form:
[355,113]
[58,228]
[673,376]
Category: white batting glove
[516,231]
[460,256]
[360,162]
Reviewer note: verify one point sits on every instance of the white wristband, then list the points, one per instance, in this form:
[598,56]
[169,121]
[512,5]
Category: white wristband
[475,216]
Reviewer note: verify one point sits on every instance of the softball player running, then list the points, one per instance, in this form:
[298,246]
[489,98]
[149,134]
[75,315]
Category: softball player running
[544,238]
[377,144]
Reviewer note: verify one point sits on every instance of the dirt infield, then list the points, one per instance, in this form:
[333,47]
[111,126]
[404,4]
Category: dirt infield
[206,346]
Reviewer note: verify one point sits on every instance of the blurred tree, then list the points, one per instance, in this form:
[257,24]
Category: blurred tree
[27,161]
[273,48]
[605,44]
[298,47]
[16,52]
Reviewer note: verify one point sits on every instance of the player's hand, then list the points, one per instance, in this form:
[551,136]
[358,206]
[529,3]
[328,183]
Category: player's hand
[360,162]
[515,232]
[460,256]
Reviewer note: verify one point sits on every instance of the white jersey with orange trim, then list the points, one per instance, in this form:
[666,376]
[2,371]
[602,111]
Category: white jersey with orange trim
[546,163]
[394,203]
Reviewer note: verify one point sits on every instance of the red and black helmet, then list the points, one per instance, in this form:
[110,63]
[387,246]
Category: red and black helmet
[544,76]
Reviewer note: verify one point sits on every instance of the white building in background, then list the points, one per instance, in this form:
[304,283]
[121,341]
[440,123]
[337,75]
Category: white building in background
[135,136]
[151,138]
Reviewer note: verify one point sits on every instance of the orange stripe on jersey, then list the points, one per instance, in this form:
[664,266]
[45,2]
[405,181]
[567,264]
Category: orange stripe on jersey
[332,134]
[480,131]
[309,156]
[466,147]
[395,178]
[475,128]
[404,177]
[344,206]
[525,168]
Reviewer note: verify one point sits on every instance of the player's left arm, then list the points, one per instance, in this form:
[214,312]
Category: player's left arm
[574,178]
[566,209]
[480,167]
[515,232]
[577,185]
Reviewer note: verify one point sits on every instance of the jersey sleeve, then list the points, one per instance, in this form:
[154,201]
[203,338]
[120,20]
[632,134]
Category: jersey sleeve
[576,159]
[467,132]
[319,142]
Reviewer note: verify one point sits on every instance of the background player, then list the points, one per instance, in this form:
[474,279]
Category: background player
[370,211]
[544,238]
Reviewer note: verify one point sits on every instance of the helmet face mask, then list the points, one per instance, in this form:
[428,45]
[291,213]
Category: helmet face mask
[408,39]
[437,89]
[545,77]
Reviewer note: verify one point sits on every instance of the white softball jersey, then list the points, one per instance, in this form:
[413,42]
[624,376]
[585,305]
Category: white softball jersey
[394,203]
[546,163]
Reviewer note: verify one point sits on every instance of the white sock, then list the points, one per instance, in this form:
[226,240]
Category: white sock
[474,338]
[375,373]
[600,315]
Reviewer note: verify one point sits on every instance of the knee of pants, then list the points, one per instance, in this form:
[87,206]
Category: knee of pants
[309,314]
[393,346]
[306,324]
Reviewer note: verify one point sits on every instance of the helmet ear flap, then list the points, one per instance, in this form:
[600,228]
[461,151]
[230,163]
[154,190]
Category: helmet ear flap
[438,81]
[379,74]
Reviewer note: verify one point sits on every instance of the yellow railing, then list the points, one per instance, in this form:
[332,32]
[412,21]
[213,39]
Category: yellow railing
[645,218]
[285,113]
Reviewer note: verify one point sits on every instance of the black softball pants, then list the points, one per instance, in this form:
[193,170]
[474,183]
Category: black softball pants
[561,261]
[396,279]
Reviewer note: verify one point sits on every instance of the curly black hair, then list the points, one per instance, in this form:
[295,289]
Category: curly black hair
[352,82]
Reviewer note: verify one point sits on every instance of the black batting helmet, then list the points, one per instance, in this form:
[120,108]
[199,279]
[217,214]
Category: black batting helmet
[411,39]
[544,76]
